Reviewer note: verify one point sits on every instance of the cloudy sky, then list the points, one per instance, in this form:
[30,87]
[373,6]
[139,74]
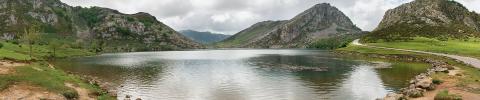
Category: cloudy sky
[231,16]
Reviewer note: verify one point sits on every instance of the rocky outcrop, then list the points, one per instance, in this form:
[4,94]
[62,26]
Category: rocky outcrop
[107,29]
[430,12]
[320,21]
[428,18]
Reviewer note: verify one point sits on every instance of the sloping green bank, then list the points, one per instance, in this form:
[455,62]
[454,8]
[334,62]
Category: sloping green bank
[39,73]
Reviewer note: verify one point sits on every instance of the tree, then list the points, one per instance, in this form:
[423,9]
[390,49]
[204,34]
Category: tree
[32,34]
[53,44]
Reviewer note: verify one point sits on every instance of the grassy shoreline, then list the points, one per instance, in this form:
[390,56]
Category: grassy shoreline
[468,82]
[39,73]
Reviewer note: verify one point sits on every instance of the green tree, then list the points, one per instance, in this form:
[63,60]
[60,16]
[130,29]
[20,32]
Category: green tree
[54,44]
[32,34]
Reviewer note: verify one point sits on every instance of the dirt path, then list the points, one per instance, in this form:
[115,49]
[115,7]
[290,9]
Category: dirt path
[449,84]
[82,92]
[467,60]
[7,67]
[28,92]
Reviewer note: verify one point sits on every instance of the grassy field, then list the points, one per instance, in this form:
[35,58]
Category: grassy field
[366,50]
[469,47]
[40,52]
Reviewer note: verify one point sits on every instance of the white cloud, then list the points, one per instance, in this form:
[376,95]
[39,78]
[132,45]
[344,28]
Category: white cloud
[231,16]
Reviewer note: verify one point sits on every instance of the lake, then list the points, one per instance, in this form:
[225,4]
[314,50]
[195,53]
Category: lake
[245,75]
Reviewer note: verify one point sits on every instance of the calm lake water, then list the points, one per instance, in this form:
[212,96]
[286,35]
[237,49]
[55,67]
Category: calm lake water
[244,75]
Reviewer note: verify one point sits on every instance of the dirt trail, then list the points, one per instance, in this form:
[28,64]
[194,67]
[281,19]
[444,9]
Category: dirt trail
[7,67]
[449,84]
[82,92]
[28,92]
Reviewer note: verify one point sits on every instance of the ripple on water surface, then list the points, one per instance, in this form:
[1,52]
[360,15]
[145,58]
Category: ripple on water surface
[242,75]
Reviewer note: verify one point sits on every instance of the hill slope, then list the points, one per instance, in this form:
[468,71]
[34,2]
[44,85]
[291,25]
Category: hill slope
[253,33]
[319,22]
[108,29]
[427,18]
[204,37]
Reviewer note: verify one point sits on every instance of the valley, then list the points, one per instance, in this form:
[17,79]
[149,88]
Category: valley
[420,50]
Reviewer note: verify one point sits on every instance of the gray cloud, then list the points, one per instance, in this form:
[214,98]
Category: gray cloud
[231,16]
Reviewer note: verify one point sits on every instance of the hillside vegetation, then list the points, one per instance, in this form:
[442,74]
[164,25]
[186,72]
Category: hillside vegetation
[107,29]
[468,47]
[439,19]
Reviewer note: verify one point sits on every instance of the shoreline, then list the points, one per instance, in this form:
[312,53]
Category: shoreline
[419,85]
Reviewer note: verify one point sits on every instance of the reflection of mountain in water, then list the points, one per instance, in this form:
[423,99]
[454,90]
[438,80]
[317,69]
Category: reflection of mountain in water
[323,82]
[234,74]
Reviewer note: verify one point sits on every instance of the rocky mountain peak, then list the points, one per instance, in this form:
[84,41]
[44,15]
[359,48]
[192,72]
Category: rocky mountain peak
[320,21]
[430,12]
[428,18]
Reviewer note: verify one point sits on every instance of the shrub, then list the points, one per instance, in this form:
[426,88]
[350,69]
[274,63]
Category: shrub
[437,81]
[444,95]
[70,95]
[1,45]
[334,42]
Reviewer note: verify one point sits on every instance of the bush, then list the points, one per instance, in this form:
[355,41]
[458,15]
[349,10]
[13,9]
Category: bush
[334,42]
[70,95]
[1,45]
[444,95]
[437,81]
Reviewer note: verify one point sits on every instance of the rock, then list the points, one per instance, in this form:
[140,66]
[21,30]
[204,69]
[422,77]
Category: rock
[424,83]
[138,99]
[414,93]
[127,97]
[393,96]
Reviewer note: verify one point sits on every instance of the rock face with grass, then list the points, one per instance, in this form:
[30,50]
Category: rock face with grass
[428,18]
[320,21]
[106,29]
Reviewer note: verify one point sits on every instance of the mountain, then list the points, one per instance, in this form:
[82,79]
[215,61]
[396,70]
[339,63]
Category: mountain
[107,29]
[254,32]
[319,22]
[204,37]
[427,18]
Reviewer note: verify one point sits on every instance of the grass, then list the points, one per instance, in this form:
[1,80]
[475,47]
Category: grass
[40,52]
[368,50]
[444,95]
[470,47]
[38,74]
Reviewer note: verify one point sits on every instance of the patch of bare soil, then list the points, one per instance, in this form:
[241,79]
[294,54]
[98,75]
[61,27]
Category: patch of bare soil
[450,85]
[27,92]
[83,93]
[7,67]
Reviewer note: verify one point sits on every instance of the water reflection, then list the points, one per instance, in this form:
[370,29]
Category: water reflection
[241,75]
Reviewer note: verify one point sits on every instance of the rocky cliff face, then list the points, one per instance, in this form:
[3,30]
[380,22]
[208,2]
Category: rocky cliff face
[110,29]
[429,18]
[320,21]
